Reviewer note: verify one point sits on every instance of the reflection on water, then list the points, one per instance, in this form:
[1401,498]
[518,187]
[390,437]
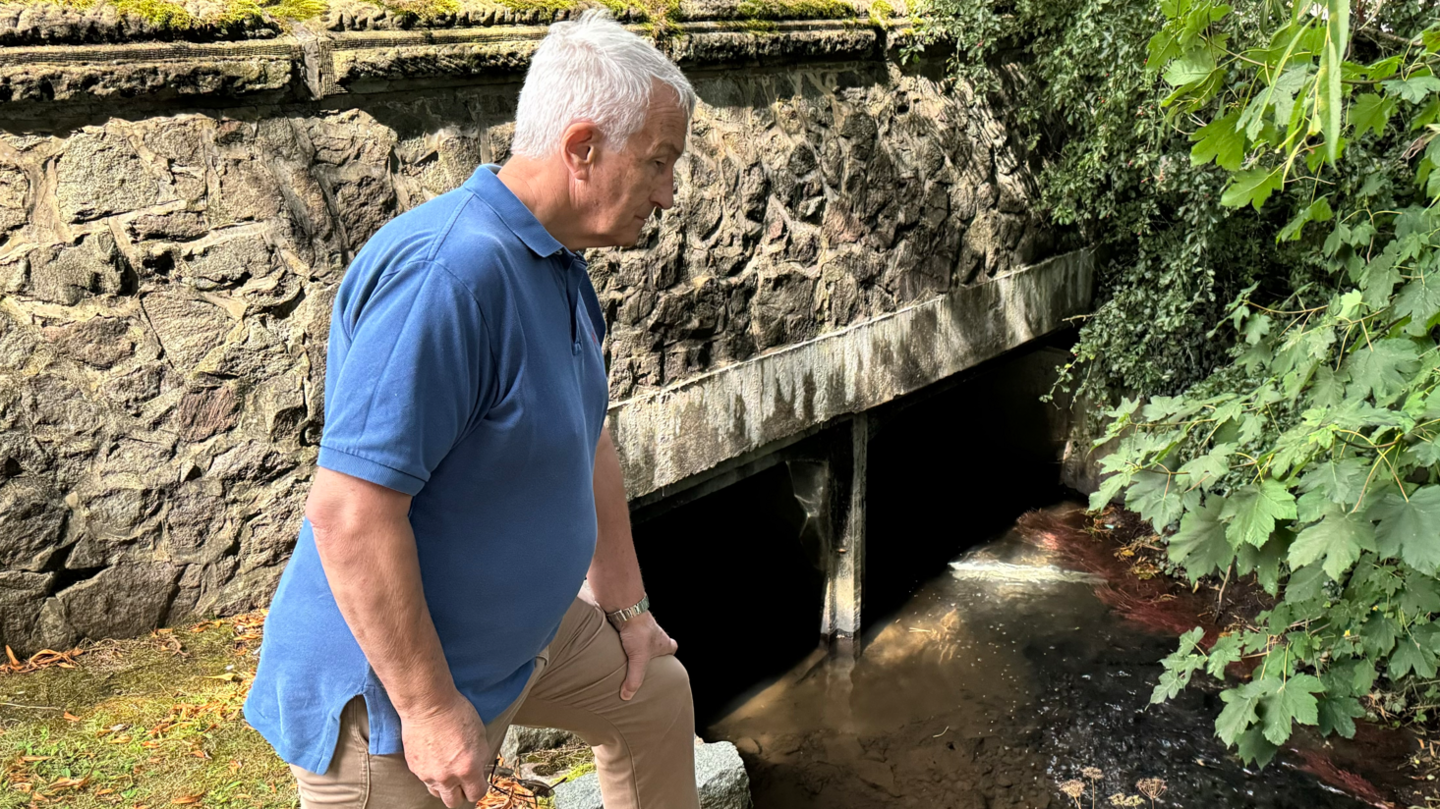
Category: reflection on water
[996,681]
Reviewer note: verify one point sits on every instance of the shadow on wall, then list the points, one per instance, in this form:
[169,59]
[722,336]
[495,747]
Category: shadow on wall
[949,466]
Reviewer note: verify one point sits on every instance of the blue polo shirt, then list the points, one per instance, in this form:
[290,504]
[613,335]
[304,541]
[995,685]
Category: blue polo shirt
[465,370]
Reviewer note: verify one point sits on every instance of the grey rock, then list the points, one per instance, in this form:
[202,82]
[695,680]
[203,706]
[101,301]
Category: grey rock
[99,341]
[521,740]
[187,327]
[719,774]
[120,601]
[14,189]
[32,517]
[66,274]
[99,174]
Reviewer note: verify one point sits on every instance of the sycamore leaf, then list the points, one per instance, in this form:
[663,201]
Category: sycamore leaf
[1411,656]
[1410,529]
[1251,187]
[1241,708]
[1200,544]
[1206,469]
[1317,211]
[1338,537]
[1225,651]
[1382,368]
[1339,481]
[1421,594]
[1220,141]
[1371,112]
[1426,453]
[1194,66]
[1157,497]
[1111,487]
[1293,701]
[1328,387]
[1253,509]
[1419,300]
[1413,90]
[1265,562]
[1338,715]
[1305,584]
[1254,748]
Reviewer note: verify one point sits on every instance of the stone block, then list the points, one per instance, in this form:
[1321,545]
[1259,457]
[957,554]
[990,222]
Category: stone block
[188,327]
[66,274]
[100,174]
[14,190]
[719,774]
[120,601]
[32,518]
[99,341]
[521,740]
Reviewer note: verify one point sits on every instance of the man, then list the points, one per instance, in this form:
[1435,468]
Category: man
[467,483]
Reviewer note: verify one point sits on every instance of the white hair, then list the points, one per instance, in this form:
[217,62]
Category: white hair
[592,69]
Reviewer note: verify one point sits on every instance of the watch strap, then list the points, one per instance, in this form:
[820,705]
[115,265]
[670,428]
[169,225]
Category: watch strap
[620,616]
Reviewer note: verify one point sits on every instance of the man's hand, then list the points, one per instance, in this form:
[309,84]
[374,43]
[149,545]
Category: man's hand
[446,749]
[642,638]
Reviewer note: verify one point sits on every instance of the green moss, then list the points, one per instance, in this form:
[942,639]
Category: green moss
[421,10]
[881,10]
[143,722]
[158,12]
[794,10]
[172,15]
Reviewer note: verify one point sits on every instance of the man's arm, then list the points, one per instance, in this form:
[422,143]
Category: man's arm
[362,532]
[614,575]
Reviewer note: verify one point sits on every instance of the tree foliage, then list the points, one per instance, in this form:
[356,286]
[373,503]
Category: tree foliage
[1271,304]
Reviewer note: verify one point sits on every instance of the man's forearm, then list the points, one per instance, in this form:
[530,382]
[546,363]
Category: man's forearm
[371,563]
[614,572]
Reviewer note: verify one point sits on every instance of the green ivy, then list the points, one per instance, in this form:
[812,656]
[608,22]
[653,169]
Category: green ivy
[1288,190]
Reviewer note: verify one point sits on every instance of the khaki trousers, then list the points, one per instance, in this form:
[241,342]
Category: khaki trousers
[644,748]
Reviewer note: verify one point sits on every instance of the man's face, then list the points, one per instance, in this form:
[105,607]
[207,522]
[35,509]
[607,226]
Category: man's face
[629,181]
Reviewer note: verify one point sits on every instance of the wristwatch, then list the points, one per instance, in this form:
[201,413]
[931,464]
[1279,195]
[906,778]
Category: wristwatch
[621,616]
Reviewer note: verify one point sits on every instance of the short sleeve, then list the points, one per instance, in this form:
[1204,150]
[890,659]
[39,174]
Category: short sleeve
[411,380]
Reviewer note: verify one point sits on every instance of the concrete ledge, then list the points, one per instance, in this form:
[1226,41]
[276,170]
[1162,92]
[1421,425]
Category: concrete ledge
[308,61]
[667,436]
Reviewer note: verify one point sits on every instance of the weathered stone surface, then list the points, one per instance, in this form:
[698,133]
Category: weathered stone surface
[187,327]
[120,601]
[14,191]
[66,274]
[99,341]
[719,774]
[32,518]
[521,740]
[99,174]
[21,598]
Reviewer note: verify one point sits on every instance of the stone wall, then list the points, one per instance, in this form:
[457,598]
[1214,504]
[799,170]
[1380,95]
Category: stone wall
[174,222]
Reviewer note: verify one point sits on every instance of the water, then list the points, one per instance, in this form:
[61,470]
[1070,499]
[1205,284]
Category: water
[997,680]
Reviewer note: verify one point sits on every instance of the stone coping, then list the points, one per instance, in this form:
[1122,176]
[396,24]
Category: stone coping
[307,62]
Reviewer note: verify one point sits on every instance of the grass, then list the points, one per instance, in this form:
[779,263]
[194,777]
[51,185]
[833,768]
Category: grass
[142,723]
[156,722]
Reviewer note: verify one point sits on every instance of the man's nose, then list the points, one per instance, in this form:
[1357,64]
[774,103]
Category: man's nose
[664,198]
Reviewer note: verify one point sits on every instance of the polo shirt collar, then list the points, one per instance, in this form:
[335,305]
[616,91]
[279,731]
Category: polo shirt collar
[488,187]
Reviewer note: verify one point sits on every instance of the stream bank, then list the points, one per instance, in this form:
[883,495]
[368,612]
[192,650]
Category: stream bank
[996,683]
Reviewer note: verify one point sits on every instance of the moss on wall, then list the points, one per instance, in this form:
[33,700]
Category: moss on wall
[794,10]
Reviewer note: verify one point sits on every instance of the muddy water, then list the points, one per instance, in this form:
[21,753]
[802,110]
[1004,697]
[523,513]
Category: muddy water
[995,682]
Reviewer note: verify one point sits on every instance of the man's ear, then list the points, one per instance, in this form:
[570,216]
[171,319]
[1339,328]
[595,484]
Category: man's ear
[578,148]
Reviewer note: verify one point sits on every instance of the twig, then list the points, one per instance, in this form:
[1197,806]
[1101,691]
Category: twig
[31,707]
